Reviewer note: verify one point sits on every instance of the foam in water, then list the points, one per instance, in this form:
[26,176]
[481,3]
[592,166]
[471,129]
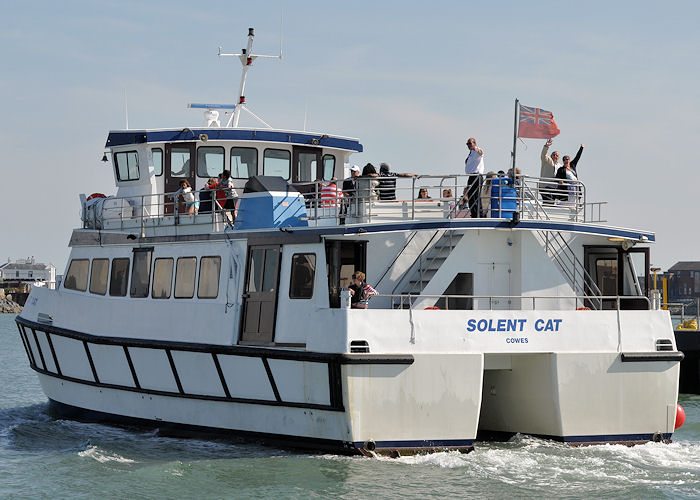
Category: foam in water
[102,456]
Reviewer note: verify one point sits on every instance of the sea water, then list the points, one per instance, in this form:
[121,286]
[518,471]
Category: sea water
[44,457]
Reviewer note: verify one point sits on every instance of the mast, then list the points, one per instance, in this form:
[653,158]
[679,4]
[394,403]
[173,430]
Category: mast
[515,133]
[246,57]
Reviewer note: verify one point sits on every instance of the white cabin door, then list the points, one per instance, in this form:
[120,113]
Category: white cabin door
[495,284]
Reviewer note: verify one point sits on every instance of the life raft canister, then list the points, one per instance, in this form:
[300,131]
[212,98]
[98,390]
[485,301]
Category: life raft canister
[96,195]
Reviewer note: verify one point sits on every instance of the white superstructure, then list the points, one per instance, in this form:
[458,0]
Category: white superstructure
[532,319]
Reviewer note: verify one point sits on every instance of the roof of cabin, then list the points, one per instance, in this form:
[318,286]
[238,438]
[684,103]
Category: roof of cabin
[125,137]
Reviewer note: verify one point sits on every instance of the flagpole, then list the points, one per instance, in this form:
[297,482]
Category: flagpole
[515,133]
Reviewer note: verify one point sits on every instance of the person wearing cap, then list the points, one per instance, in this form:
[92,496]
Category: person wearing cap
[387,182]
[349,191]
[474,168]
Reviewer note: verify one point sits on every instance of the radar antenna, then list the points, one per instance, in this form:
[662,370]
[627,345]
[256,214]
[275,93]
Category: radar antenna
[246,57]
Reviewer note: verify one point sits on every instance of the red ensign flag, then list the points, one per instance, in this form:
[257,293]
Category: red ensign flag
[536,123]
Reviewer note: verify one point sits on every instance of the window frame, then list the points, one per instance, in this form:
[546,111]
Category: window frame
[230,163]
[289,165]
[128,173]
[194,278]
[92,272]
[323,166]
[172,275]
[126,274]
[223,161]
[199,276]
[292,274]
[162,161]
[87,275]
[145,292]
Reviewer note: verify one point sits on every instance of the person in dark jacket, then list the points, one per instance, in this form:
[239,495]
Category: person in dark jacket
[387,182]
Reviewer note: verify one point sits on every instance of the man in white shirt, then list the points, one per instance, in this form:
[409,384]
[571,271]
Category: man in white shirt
[474,168]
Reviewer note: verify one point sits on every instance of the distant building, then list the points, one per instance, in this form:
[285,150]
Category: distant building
[684,283]
[22,271]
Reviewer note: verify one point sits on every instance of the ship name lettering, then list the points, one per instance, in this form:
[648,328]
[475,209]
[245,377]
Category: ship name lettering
[550,325]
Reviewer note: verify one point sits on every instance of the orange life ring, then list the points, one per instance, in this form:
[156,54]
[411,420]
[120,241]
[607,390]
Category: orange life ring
[583,308]
[433,307]
[96,195]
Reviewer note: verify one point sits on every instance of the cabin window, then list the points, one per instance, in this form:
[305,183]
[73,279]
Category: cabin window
[98,276]
[301,284]
[210,161]
[157,154]
[77,275]
[141,273]
[120,277]
[127,163]
[606,271]
[162,278]
[184,277]
[277,162]
[328,167]
[208,285]
[180,162]
[244,162]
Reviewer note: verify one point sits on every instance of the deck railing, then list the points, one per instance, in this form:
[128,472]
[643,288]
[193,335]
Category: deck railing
[500,197]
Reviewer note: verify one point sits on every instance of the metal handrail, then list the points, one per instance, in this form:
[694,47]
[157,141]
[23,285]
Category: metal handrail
[136,211]
[411,298]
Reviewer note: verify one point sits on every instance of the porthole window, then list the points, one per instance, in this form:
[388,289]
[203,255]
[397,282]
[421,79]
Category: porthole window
[77,275]
[301,283]
[328,167]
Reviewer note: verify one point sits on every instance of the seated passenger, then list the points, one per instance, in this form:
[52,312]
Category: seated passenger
[360,291]
[423,194]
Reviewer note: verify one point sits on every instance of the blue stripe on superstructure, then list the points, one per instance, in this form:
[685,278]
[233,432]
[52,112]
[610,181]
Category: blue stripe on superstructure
[197,105]
[138,137]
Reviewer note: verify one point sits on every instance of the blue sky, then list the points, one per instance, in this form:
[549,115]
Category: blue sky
[412,82]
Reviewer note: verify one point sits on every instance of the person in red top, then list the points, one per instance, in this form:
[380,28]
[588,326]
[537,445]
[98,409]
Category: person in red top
[330,194]
[360,291]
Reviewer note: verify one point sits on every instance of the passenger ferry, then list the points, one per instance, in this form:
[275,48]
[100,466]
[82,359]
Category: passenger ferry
[533,319]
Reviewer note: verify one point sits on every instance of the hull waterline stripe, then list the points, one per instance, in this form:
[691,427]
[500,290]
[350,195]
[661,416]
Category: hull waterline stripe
[421,443]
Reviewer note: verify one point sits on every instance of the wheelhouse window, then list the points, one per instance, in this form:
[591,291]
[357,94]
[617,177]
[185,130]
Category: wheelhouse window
[307,169]
[606,270]
[127,164]
[162,278]
[208,285]
[184,277]
[277,162]
[157,154]
[141,273]
[119,278]
[180,162]
[210,161]
[328,167]
[301,284]
[98,276]
[77,275]
[244,162]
